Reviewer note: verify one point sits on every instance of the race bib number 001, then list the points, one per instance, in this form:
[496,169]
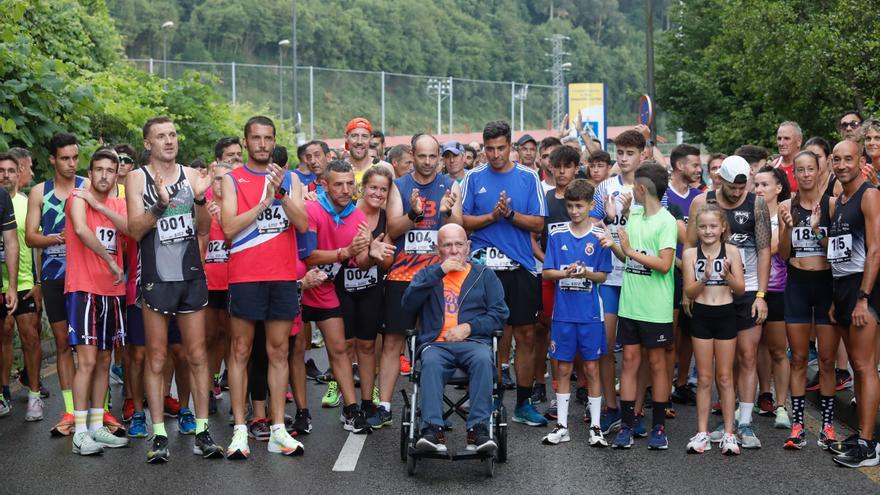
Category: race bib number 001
[217,252]
[357,279]
[175,228]
[420,242]
[272,220]
[840,248]
[108,238]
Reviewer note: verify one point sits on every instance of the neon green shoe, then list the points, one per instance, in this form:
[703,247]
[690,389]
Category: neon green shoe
[332,397]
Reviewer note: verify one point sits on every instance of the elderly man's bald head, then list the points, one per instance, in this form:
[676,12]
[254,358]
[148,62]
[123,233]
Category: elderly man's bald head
[452,242]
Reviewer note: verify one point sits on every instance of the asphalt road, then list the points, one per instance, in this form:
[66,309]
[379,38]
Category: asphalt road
[32,462]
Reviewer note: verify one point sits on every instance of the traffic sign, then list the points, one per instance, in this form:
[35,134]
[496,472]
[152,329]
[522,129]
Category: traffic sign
[646,110]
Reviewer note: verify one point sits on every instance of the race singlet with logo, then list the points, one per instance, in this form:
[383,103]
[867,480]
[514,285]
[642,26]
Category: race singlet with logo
[613,187]
[803,242]
[217,258]
[847,244]
[742,235]
[52,261]
[354,279]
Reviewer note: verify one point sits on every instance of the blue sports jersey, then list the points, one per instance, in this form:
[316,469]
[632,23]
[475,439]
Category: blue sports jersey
[53,261]
[684,204]
[576,300]
[480,191]
[309,182]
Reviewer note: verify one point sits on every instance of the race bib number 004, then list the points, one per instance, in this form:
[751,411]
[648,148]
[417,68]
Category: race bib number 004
[108,238]
[420,242]
[175,228]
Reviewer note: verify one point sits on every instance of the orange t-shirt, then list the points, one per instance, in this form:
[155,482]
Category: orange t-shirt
[451,290]
[87,272]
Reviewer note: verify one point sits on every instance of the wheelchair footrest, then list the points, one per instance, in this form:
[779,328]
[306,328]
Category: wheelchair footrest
[461,455]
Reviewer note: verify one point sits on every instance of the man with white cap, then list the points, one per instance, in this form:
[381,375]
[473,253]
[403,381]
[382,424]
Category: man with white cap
[749,221]
[453,160]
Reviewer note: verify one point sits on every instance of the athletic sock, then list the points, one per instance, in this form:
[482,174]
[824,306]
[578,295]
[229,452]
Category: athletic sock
[96,419]
[107,400]
[523,394]
[386,405]
[80,421]
[242,428]
[68,400]
[562,408]
[595,410]
[366,404]
[159,430]
[201,425]
[797,409]
[2,397]
[31,395]
[627,412]
[658,413]
[217,377]
[826,403]
[277,427]
[745,412]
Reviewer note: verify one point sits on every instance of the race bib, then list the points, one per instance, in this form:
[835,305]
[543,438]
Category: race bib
[804,242]
[217,252]
[272,220]
[175,228]
[108,238]
[840,248]
[717,266]
[331,270]
[575,284]
[636,268]
[556,227]
[497,260]
[2,252]
[357,279]
[420,242]
[56,251]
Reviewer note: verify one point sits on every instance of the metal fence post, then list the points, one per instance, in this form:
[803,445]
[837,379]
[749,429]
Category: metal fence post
[512,102]
[234,99]
[151,66]
[311,102]
[450,105]
[382,101]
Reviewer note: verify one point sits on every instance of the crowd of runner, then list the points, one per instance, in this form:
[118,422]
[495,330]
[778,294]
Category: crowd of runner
[738,271]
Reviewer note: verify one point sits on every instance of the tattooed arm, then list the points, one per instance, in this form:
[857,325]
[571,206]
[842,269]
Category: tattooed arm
[763,236]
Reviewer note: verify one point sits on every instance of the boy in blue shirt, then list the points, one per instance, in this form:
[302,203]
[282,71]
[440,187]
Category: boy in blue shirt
[577,263]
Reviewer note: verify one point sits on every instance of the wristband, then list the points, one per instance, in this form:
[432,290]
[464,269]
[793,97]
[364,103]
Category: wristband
[819,236]
[759,295]
[415,217]
[280,193]
[510,215]
[200,202]
[339,255]
[158,209]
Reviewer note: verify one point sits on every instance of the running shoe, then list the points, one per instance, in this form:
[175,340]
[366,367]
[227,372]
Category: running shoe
[127,410]
[658,440]
[557,436]
[206,447]
[280,442]
[259,429]
[841,447]
[216,391]
[332,398]
[224,380]
[186,422]
[113,424]
[107,439]
[684,395]
[84,444]
[827,437]
[597,439]
[288,397]
[64,427]
[478,439]
[506,380]
[5,407]
[813,385]
[138,426]
[325,377]
[355,422]
[317,339]
[34,409]
[526,414]
[699,443]
[158,452]
[729,444]
[764,406]
[432,439]
[863,454]
[582,396]
[813,357]
[312,371]
[24,382]
[116,375]
[238,448]
[379,417]
[609,421]
[405,365]
[624,439]
[747,437]
[639,430]
[782,421]
[552,412]
[302,424]
[172,406]
[797,439]
[539,393]
[844,380]
[716,408]
[718,433]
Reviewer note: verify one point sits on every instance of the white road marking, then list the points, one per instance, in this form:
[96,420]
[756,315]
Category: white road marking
[351,451]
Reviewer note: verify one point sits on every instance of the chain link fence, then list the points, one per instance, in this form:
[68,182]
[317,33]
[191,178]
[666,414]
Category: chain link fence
[395,103]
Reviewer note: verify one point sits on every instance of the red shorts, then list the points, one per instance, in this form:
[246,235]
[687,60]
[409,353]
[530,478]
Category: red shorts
[547,293]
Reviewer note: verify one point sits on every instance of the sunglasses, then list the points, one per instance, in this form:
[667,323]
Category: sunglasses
[853,124]
[126,159]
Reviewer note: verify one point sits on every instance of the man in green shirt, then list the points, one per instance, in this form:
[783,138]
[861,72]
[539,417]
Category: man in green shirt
[647,244]
[28,324]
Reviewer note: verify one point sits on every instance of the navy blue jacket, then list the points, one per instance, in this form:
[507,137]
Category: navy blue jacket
[481,302]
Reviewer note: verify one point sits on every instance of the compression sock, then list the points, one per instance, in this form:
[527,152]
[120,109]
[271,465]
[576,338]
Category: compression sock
[201,425]
[68,400]
[797,409]
[562,409]
[827,406]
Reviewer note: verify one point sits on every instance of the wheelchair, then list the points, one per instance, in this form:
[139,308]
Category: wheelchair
[411,415]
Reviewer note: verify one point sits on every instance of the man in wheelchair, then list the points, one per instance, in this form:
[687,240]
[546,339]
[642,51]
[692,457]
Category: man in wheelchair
[459,304]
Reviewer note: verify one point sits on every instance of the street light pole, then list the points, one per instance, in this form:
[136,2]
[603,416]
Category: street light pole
[296,119]
[649,58]
[281,45]
[166,26]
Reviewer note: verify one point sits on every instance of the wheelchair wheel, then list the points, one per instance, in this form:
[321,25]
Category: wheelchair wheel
[404,433]
[501,433]
[489,466]
[411,465]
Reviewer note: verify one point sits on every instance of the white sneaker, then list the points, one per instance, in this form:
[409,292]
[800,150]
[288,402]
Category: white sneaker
[5,407]
[280,442]
[106,439]
[83,444]
[557,436]
[729,445]
[238,448]
[782,421]
[699,443]
[34,409]
[597,439]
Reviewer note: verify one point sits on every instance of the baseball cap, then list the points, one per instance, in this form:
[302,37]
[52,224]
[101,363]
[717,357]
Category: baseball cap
[358,123]
[452,147]
[735,169]
[525,139]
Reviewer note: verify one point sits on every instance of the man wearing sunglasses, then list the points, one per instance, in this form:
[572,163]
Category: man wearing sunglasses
[126,164]
[849,124]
